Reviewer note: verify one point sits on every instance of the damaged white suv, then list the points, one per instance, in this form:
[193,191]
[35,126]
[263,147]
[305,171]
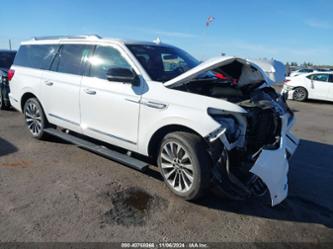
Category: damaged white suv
[216,124]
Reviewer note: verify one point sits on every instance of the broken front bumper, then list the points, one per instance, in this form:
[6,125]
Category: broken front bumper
[271,162]
[288,92]
[272,165]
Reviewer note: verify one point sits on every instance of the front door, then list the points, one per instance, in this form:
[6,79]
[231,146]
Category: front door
[109,110]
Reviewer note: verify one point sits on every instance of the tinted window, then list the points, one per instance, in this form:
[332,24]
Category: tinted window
[71,58]
[331,78]
[104,59]
[172,62]
[320,77]
[305,70]
[35,56]
[6,59]
[163,63]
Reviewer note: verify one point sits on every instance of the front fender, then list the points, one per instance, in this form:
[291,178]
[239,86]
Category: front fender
[202,126]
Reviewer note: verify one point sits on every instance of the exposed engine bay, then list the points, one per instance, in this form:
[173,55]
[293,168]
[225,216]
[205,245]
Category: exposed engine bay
[246,138]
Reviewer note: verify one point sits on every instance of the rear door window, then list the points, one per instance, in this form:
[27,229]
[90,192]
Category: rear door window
[72,58]
[36,56]
[320,77]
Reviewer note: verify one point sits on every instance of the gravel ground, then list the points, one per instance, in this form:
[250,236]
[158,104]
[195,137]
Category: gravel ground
[54,191]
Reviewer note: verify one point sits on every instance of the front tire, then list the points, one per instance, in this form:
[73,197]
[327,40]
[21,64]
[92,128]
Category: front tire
[185,164]
[35,118]
[300,94]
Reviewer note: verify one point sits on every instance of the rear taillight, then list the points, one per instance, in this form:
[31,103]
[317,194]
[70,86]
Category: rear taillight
[10,74]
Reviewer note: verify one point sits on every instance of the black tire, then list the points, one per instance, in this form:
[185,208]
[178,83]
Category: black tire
[300,94]
[197,156]
[35,118]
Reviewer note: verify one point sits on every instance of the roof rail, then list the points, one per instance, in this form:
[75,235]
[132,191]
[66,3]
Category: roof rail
[58,37]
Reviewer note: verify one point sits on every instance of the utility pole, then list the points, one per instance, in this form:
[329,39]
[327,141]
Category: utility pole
[10,44]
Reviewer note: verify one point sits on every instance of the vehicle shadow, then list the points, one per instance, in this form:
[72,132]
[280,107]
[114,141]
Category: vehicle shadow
[310,197]
[313,101]
[310,189]
[317,101]
[6,147]
[10,109]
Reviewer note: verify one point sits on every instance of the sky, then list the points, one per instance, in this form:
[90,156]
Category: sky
[287,30]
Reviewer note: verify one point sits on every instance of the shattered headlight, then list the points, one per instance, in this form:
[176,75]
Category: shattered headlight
[227,121]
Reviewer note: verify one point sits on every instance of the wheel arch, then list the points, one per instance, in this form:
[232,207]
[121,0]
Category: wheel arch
[27,96]
[158,135]
[307,93]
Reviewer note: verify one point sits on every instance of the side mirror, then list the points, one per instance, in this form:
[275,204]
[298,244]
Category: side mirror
[124,75]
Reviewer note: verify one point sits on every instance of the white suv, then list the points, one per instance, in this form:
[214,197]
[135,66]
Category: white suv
[230,133]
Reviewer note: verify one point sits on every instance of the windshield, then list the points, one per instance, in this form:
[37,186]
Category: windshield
[6,59]
[163,63]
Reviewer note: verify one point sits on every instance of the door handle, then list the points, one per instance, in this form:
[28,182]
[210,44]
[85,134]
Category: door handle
[89,91]
[155,105]
[48,83]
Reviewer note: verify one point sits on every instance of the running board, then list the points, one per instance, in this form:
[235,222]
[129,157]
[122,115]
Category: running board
[98,149]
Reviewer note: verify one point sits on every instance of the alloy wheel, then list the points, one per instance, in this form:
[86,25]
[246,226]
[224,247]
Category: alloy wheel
[299,94]
[177,167]
[33,118]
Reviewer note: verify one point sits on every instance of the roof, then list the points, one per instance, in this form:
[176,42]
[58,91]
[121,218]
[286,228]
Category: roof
[89,38]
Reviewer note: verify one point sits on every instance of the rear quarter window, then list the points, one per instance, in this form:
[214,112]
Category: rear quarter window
[36,56]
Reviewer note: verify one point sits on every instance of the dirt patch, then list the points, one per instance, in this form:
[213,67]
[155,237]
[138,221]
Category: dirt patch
[16,164]
[132,206]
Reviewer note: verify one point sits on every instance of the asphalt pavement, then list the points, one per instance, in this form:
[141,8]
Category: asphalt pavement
[54,191]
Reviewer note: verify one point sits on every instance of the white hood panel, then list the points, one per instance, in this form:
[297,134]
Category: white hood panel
[217,62]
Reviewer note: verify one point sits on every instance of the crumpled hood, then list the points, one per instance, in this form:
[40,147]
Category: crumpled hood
[215,63]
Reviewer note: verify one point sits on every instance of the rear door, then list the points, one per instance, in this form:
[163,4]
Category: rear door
[319,85]
[61,85]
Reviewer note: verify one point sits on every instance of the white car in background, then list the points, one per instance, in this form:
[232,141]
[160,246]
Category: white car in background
[317,85]
[302,71]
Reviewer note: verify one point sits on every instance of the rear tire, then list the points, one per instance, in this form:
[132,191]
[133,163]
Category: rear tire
[300,94]
[185,164]
[35,118]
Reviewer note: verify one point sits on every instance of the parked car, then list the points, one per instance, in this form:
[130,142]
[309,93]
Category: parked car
[6,60]
[301,71]
[156,100]
[310,86]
